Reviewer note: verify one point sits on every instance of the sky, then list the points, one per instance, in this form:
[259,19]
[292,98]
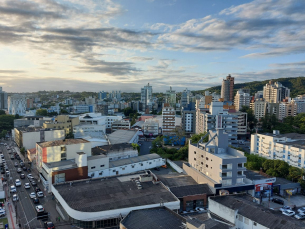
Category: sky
[97,45]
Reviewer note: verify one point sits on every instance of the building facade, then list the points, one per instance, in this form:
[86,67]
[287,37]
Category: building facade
[102,95]
[227,88]
[275,92]
[150,127]
[62,122]
[259,107]
[17,104]
[241,99]
[146,95]
[188,119]
[300,101]
[168,119]
[287,109]
[3,100]
[170,97]
[286,147]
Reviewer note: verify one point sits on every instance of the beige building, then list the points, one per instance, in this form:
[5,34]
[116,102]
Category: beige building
[287,109]
[168,118]
[275,92]
[63,122]
[259,108]
[241,99]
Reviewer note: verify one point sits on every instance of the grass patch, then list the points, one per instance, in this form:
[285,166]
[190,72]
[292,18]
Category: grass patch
[4,221]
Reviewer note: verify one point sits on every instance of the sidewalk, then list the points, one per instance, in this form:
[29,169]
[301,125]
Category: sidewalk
[10,213]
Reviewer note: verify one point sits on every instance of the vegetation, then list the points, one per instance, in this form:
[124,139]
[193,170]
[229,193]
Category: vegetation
[41,112]
[136,146]
[173,153]
[7,122]
[295,85]
[70,135]
[250,117]
[22,151]
[2,112]
[3,134]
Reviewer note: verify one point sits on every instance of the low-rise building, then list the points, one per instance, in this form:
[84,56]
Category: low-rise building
[116,152]
[105,202]
[35,121]
[123,136]
[150,127]
[286,147]
[120,124]
[83,108]
[64,122]
[27,137]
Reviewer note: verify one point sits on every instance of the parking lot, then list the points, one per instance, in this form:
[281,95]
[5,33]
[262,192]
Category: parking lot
[297,200]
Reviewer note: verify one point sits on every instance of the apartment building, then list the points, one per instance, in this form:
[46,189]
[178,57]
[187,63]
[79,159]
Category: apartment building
[259,107]
[216,164]
[275,92]
[188,119]
[3,99]
[241,99]
[151,127]
[16,104]
[300,101]
[168,119]
[90,100]
[64,122]
[287,109]
[205,101]
[102,95]
[98,119]
[27,137]
[276,146]
[185,98]
[242,122]
[227,88]
[146,95]
[83,108]
[170,97]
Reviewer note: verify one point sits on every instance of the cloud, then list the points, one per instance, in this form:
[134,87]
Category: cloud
[2,71]
[141,58]
[293,64]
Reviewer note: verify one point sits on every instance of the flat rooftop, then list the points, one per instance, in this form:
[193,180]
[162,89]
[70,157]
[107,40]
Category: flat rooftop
[60,164]
[176,179]
[62,142]
[153,218]
[112,193]
[131,160]
[254,175]
[264,216]
[191,190]
[295,136]
[121,136]
[108,149]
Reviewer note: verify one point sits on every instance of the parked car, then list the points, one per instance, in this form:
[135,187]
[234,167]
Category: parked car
[17,183]
[27,185]
[301,210]
[24,168]
[30,176]
[49,225]
[2,213]
[15,197]
[13,189]
[16,164]
[278,201]
[12,157]
[284,208]
[39,208]
[32,195]
[37,189]
[35,200]
[300,216]
[289,212]
[22,176]
[21,164]
[33,183]
[19,170]
[40,194]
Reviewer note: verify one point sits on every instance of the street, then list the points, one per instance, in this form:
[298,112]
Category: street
[145,147]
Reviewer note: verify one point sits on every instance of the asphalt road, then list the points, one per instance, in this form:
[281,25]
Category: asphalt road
[145,147]
[26,212]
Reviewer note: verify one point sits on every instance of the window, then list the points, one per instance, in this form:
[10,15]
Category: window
[123,168]
[102,165]
[206,166]
[150,163]
[202,156]
[63,148]
[194,152]
[101,173]
[207,158]
[63,156]
[254,223]
[240,165]
[93,167]
[194,159]
[113,171]
[240,173]
[132,166]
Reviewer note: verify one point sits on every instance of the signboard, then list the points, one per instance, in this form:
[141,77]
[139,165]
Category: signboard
[262,187]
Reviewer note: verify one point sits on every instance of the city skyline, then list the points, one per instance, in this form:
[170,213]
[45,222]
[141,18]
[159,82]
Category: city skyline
[123,45]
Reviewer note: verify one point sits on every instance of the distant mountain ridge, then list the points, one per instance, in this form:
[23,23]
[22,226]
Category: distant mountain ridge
[295,84]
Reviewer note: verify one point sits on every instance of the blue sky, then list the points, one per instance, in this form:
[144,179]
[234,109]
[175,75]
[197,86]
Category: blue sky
[108,45]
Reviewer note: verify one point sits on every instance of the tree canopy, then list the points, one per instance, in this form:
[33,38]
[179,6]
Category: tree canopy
[41,112]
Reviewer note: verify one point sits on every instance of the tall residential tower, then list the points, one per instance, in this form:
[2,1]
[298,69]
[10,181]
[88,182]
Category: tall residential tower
[227,88]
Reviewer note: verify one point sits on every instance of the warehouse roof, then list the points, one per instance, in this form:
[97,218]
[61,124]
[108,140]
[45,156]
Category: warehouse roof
[62,142]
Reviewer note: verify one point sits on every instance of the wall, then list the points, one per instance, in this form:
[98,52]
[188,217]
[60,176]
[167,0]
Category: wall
[222,211]
[73,174]
[121,154]
[194,197]
[107,214]
[97,163]
[174,166]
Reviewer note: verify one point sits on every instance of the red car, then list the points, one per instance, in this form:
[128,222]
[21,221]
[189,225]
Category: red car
[49,225]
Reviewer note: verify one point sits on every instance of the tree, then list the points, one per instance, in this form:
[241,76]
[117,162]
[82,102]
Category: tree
[136,146]
[2,112]
[17,116]
[41,112]
[197,137]
[127,111]
[70,135]
[3,134]
[175,137]
[62,111]
[7,122]
[252,121]
[22,151]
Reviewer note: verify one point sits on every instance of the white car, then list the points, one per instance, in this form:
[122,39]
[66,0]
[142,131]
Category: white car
[39,208]
[32,195]
[301,210]
[299,216]
[15,197]
[2,212]
[27,185]
[289,213]
[17,183]
[13,189]
[30,176]
[285,208]
[40,194]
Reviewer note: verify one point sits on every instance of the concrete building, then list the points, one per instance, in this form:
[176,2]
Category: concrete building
[168,119]
[115,95]
[35,121]
[241,211]
[29,103]
[16,104]
[123,136]
[27,137]
[83,108]
[102,95]
[259,108]
[241,99]
[102,108]
[170,97]
[105,202]
[150,127]
[116,152]
[242,123]
[276,146]
[300,101]
[3,100]
[98,119]
[62,122]
[227,88]
[185,98]
[273,109]
[205,101]
[146,95]
[287,109]
[188,119]
[90,100]
[217,164]
[120,124]
[275,92]
[218,117]
[259,95]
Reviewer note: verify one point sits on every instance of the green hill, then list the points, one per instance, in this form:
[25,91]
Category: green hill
[296,86]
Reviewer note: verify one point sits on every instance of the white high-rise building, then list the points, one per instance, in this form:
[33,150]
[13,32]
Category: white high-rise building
[17,104]
[168,117]
[286,109]
[3,99]
[275,92]
[259,107]
[241,99]
[146,94]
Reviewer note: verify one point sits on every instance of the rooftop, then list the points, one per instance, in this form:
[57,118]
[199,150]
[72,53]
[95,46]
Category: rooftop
[191,190]
[60,164]
[90,158]
[131,160]
[112,193]
[107,149]
[253,175]
[264,216]
[211,221]
[31,129]
[32,151]
[121,136]
[176,180]
[62,142]
[152,218]
[295,136]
